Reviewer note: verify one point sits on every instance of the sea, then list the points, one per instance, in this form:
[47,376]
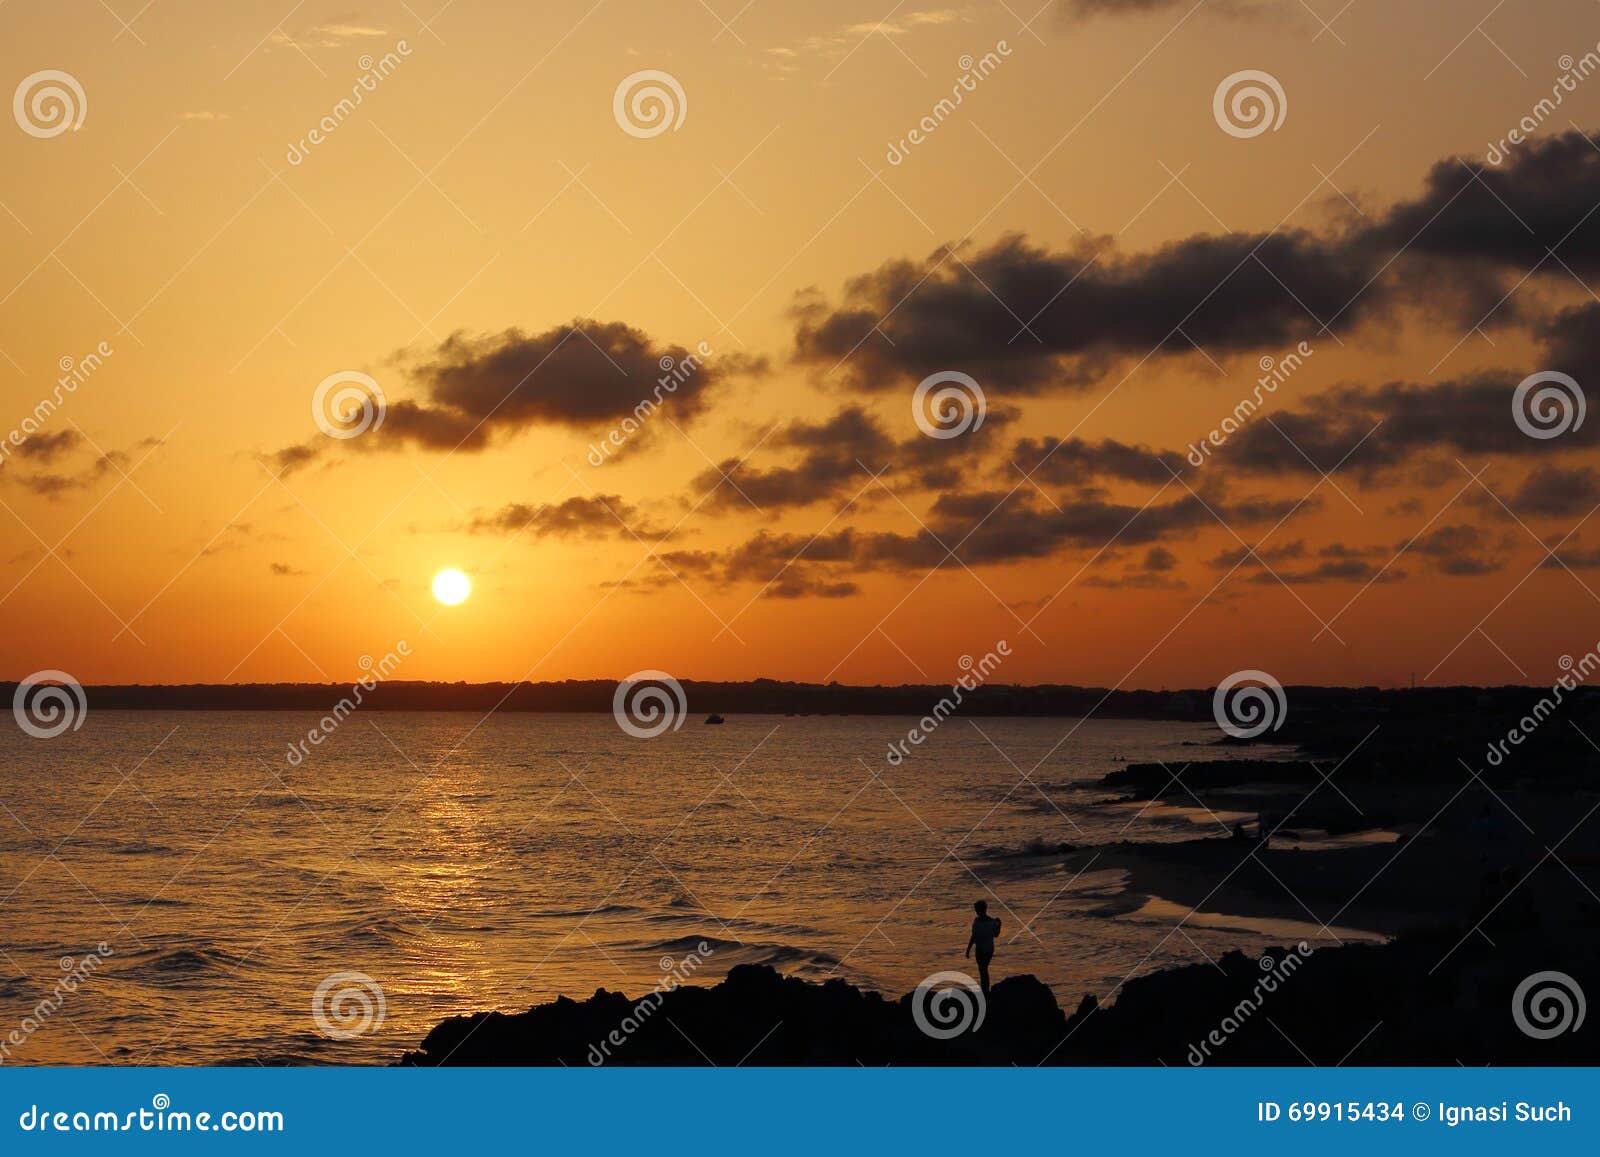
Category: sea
[196,887]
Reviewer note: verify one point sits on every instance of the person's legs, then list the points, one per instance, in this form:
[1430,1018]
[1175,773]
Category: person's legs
[983,970]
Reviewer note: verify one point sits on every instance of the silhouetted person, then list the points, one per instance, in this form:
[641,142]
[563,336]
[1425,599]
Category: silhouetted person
[984,930]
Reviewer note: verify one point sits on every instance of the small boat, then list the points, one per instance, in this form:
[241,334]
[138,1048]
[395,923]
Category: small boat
[715,718]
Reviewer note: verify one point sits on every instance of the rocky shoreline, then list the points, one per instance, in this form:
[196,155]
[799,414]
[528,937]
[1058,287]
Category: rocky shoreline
[1483,872]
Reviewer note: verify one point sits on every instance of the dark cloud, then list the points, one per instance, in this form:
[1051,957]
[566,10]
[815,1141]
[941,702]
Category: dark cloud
[1572,340]
[837,457]
[1506,215]
[1460,549]
[284,570]
[600,516]
[42,449]
[1019,317]
[1550,491]
[1026,319]
[586,375]
[1074,461]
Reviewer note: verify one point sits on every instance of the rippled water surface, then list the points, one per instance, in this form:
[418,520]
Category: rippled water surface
[466,864]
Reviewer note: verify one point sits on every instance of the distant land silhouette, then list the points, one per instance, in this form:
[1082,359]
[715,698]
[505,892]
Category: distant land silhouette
[1307,704]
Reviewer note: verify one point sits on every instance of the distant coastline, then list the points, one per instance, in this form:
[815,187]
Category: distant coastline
[777,697]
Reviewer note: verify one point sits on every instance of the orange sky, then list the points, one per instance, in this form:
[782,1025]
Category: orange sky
[179,515]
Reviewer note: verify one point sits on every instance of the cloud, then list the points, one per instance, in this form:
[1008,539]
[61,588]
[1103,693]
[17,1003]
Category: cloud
[1028,319]
[586,375]
[838,456]
[45,448]
[1507,216]
[1460,549]
[600,516]
[284,570]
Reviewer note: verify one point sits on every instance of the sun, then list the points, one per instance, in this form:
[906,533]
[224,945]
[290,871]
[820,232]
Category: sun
[451,587]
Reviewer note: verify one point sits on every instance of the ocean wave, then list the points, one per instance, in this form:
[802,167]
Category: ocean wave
[180,965]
